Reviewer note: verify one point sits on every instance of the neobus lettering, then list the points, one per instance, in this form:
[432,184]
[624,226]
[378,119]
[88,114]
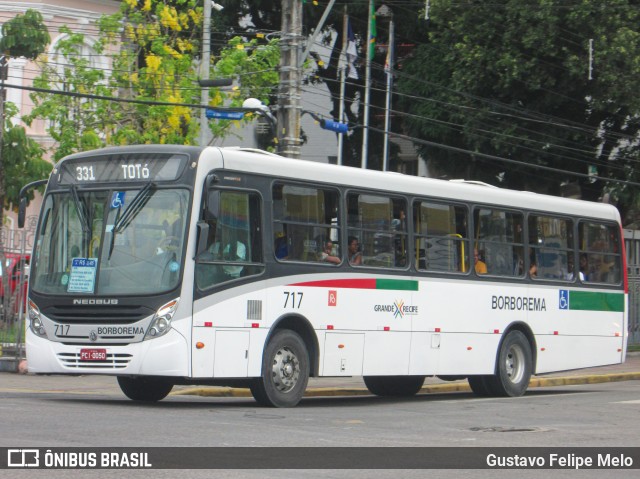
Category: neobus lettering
[518,303]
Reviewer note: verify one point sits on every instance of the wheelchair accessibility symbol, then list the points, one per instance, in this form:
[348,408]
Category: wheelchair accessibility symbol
[563,301]
[117,200]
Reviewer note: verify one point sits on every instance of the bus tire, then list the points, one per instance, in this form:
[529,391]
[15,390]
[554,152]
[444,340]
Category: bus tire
[515,364]
[398,386]
[479,385]
[144,388]
[285,371]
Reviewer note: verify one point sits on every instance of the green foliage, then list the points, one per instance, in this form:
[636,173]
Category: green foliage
[75,123]
[153,49]
[255,64]
[24,36]
[511,79]
[22,162]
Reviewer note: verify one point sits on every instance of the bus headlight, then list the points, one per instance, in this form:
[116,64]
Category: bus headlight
[161,322]
[35,323]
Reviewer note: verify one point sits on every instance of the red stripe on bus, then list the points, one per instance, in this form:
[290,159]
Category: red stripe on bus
[368,283]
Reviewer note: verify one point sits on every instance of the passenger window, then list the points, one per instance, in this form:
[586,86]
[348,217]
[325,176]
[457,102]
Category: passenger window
[441,238]
[377,234]
[499,242]
[233,243]
[306,224]
[551,248]
[599,253]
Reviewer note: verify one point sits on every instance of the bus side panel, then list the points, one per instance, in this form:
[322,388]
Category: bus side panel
[229,333]
[425,353]
[467,354]
[387,353]
[563,353]
[464,328]
[578,328]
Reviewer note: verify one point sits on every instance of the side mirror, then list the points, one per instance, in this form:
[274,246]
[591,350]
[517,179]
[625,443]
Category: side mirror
[22,212]
[22,207]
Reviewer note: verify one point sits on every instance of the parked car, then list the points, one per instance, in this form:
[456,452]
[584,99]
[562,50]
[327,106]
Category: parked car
[16,268]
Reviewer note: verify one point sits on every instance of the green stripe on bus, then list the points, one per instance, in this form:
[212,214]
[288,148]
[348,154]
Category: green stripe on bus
[397,284]
[591,301]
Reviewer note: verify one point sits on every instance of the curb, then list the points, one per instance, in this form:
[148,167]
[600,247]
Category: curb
[457,386]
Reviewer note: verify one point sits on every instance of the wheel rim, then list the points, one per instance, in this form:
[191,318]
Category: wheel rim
[285,371]
[515,364]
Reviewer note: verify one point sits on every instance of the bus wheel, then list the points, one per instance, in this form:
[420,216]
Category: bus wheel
[514,367]
[285,371]
[144,388]
[479,385]
[394,385]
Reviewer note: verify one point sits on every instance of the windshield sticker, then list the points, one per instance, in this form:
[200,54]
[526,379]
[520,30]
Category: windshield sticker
[117,199]
[83,275]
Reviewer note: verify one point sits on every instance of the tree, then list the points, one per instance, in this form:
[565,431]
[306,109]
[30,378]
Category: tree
[513,79]
[20,158]
[154,59]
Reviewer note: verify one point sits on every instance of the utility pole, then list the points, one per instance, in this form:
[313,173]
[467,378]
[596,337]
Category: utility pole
[205,65]
[289,108]
[205,60]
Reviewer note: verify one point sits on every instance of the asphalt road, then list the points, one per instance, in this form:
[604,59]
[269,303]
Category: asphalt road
[590,408]
[587,415]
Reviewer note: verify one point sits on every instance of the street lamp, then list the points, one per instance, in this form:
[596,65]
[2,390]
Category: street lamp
[204,66]
[255,105]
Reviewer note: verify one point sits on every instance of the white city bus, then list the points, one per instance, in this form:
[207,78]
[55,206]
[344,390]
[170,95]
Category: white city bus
[167,265]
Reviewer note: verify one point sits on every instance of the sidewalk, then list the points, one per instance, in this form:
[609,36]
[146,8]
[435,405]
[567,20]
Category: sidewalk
[107,385]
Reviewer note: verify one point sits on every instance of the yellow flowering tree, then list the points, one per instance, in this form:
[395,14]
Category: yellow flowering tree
[153,49]
[154,62]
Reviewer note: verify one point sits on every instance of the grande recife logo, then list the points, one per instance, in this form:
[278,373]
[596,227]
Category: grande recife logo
[398,309]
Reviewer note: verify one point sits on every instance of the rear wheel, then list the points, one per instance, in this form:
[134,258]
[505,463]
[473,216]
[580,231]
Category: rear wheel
[515,365]
[144,388]
[479,385]
[285,371]
[394,385]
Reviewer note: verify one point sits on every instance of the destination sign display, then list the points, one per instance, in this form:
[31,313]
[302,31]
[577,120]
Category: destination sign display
[123,168]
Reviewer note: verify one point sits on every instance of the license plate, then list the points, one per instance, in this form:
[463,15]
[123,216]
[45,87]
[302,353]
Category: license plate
[93,355]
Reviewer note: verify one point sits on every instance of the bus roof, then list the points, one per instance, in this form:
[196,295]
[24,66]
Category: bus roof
[265,163]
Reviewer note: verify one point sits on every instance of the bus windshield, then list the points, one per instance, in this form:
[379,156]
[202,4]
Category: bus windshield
[106,242]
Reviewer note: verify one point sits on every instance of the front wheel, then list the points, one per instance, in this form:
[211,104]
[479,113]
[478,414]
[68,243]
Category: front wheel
[285,371]
[398,386]
[514,368]
[144,388]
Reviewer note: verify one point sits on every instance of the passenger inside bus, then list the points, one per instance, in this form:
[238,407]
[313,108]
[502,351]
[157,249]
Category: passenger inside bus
[584,267]
[480,266]
[533,265]
[234,251]
[327,253]
[355,256]
[280,247]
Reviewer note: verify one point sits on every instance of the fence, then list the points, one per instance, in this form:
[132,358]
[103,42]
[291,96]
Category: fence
[15,246]
[632,247]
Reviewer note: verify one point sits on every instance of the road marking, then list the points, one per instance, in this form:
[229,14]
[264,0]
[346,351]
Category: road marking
[635,401]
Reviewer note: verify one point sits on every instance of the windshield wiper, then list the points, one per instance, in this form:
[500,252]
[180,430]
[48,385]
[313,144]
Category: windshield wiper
[136,206]
[80,208]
